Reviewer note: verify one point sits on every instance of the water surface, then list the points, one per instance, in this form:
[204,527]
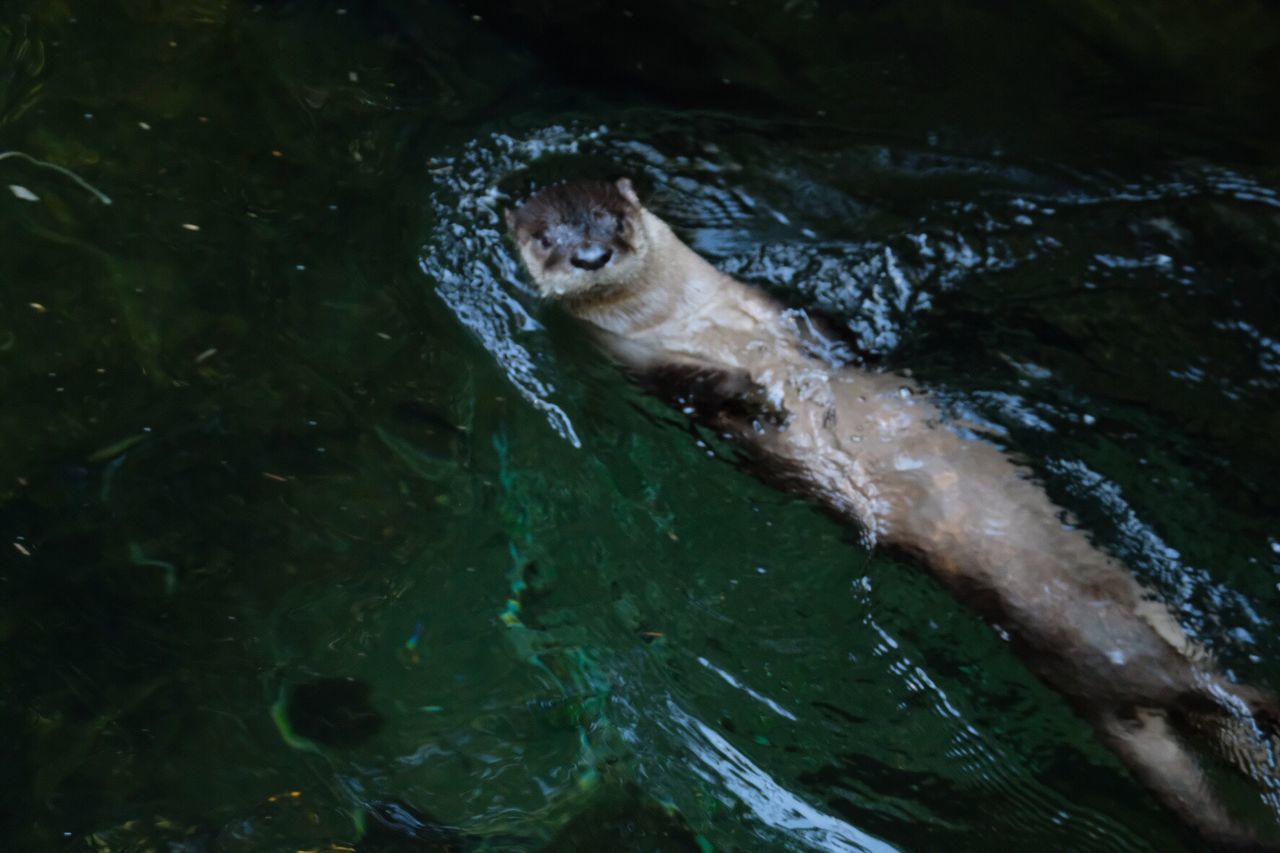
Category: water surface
[314,515]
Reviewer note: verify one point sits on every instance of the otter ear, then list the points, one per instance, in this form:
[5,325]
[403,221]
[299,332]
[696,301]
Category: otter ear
[628,192]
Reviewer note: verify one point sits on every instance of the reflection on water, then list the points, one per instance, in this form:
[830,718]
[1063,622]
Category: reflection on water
[768,802]
[328,448]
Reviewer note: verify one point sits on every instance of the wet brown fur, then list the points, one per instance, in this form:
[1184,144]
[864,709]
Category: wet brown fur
[874,452]
[566,202]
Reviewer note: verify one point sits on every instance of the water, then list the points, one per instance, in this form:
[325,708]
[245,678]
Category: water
[284,413]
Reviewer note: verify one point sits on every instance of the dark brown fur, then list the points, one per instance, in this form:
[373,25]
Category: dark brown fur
[566,203]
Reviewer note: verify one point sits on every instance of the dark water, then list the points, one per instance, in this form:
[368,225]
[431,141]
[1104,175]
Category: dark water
[283,422]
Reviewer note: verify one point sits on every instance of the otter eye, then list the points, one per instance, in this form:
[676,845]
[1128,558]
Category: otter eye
[545,241]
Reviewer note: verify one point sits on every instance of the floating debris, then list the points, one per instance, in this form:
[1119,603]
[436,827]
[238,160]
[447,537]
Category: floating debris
[280,716]
[23,193]
[113,450]
[138,558]
[411,644]
[510,615]
[409,652]
[98,194]
[190,226]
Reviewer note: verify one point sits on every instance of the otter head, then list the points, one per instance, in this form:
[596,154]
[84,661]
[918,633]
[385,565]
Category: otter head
[579,236]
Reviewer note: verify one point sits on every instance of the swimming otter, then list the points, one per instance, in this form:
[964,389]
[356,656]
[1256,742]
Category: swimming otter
[878,454]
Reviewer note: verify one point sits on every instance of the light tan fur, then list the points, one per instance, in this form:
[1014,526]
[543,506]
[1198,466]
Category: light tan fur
[875,450]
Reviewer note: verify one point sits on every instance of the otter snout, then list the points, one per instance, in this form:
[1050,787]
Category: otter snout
[591,256]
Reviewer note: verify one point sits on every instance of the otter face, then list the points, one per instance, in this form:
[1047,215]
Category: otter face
[573,237]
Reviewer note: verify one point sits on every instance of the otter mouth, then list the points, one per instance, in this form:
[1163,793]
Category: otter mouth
[590,294]
[591,258]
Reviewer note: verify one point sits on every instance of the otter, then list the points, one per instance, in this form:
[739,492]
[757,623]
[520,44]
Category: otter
[870,448]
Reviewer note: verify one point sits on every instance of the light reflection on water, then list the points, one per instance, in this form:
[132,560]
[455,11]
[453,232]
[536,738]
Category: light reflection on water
[773,805]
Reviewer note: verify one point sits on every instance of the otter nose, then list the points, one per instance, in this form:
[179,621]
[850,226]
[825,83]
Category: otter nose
[591,257]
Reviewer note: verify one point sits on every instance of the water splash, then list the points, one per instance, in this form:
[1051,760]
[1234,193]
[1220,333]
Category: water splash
[473,273]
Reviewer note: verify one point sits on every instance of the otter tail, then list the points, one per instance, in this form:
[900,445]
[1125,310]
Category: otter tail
[1161,761]
[1243,724]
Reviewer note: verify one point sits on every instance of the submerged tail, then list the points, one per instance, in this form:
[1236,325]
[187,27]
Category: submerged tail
[1162,761]
[1243,726]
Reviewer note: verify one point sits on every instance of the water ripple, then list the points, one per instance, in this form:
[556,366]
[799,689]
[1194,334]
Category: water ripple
[770,803]
[464,256]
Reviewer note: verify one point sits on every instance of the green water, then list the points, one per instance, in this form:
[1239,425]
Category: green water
[279,410]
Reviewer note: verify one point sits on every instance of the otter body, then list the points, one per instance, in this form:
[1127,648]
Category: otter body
[877,453]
